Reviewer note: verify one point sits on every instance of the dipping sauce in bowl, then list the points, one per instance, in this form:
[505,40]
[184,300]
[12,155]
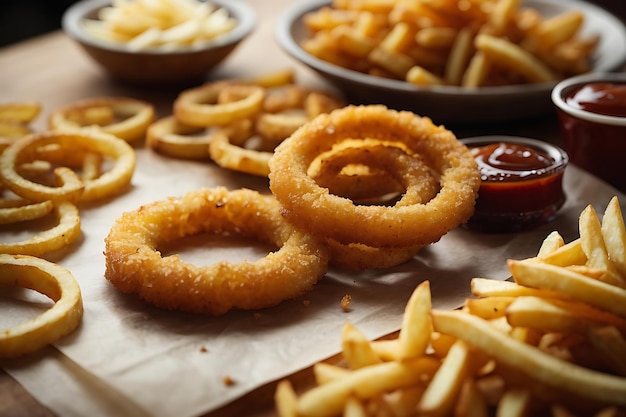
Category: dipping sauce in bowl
[592,116]
[521,184]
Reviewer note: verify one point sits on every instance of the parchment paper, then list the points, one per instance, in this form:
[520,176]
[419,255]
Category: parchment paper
[129,358]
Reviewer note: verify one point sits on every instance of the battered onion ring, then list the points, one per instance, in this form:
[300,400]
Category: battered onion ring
[312,208]
[357,256]
[170,137]
[417,183]
[72,187]
[134,265]
[51,280]
[199,106]
[66,231]
[126,118]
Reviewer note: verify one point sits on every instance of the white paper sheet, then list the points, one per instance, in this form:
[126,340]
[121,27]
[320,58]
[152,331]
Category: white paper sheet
[128,358]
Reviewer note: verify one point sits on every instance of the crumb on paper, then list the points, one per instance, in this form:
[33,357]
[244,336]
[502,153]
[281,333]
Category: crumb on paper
[345,302]
[228,381]
[203,349]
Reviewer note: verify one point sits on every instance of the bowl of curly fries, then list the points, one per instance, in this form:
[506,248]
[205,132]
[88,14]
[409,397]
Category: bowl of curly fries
[159,42]
[489,61]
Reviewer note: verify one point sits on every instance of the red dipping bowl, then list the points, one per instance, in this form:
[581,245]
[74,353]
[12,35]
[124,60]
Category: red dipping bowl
[521,183]
[592,113]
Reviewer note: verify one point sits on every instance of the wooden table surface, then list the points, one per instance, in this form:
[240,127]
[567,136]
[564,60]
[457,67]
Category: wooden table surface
[51,69]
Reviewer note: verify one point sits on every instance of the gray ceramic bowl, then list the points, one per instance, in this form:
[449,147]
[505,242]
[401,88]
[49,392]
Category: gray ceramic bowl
[448,104]
[157,67]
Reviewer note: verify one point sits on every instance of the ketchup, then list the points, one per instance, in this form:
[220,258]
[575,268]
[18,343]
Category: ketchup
[604,98]
[510,161]
[521,184]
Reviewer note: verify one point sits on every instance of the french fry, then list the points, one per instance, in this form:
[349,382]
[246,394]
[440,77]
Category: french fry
[416,327]
[356,348]
[514,403]
[593,245]
[395,62]
[477,71]
[439,397]
[501,14]
[484,287]
[566,377]
[421,76]
[325,372]
[558,315]
[285,399]
[488,308]
[580,287]
[571,253]
[513,57]
[460,54]
[550,244]
[436,37]
[559,28]
[614,235]
[329,399]
[354,408]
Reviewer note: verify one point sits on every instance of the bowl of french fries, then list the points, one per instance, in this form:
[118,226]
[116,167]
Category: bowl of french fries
[456,62]
[161,41]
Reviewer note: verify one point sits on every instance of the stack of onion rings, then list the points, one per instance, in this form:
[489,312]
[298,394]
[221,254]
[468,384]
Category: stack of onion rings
[238,123]
[48,173]
[134,264]
[401,228]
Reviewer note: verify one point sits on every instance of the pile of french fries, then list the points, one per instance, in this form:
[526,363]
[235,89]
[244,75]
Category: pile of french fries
[551,341]
[469,43]
[160,24]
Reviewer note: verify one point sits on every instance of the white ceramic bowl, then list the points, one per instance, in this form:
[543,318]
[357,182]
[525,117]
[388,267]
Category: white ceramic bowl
[449,104]
[184,65]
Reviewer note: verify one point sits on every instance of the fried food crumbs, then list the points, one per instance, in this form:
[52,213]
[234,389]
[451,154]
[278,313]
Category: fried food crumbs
[228,381]
[345,302]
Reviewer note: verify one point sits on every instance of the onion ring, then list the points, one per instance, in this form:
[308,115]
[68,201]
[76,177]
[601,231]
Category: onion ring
[226,149]
[72,187]
[134,265]
[126,118]
[417,183]
[51,280]
[199,106]
[66,231]
[170,137]
[13,210]
[22,112]
[312,208]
